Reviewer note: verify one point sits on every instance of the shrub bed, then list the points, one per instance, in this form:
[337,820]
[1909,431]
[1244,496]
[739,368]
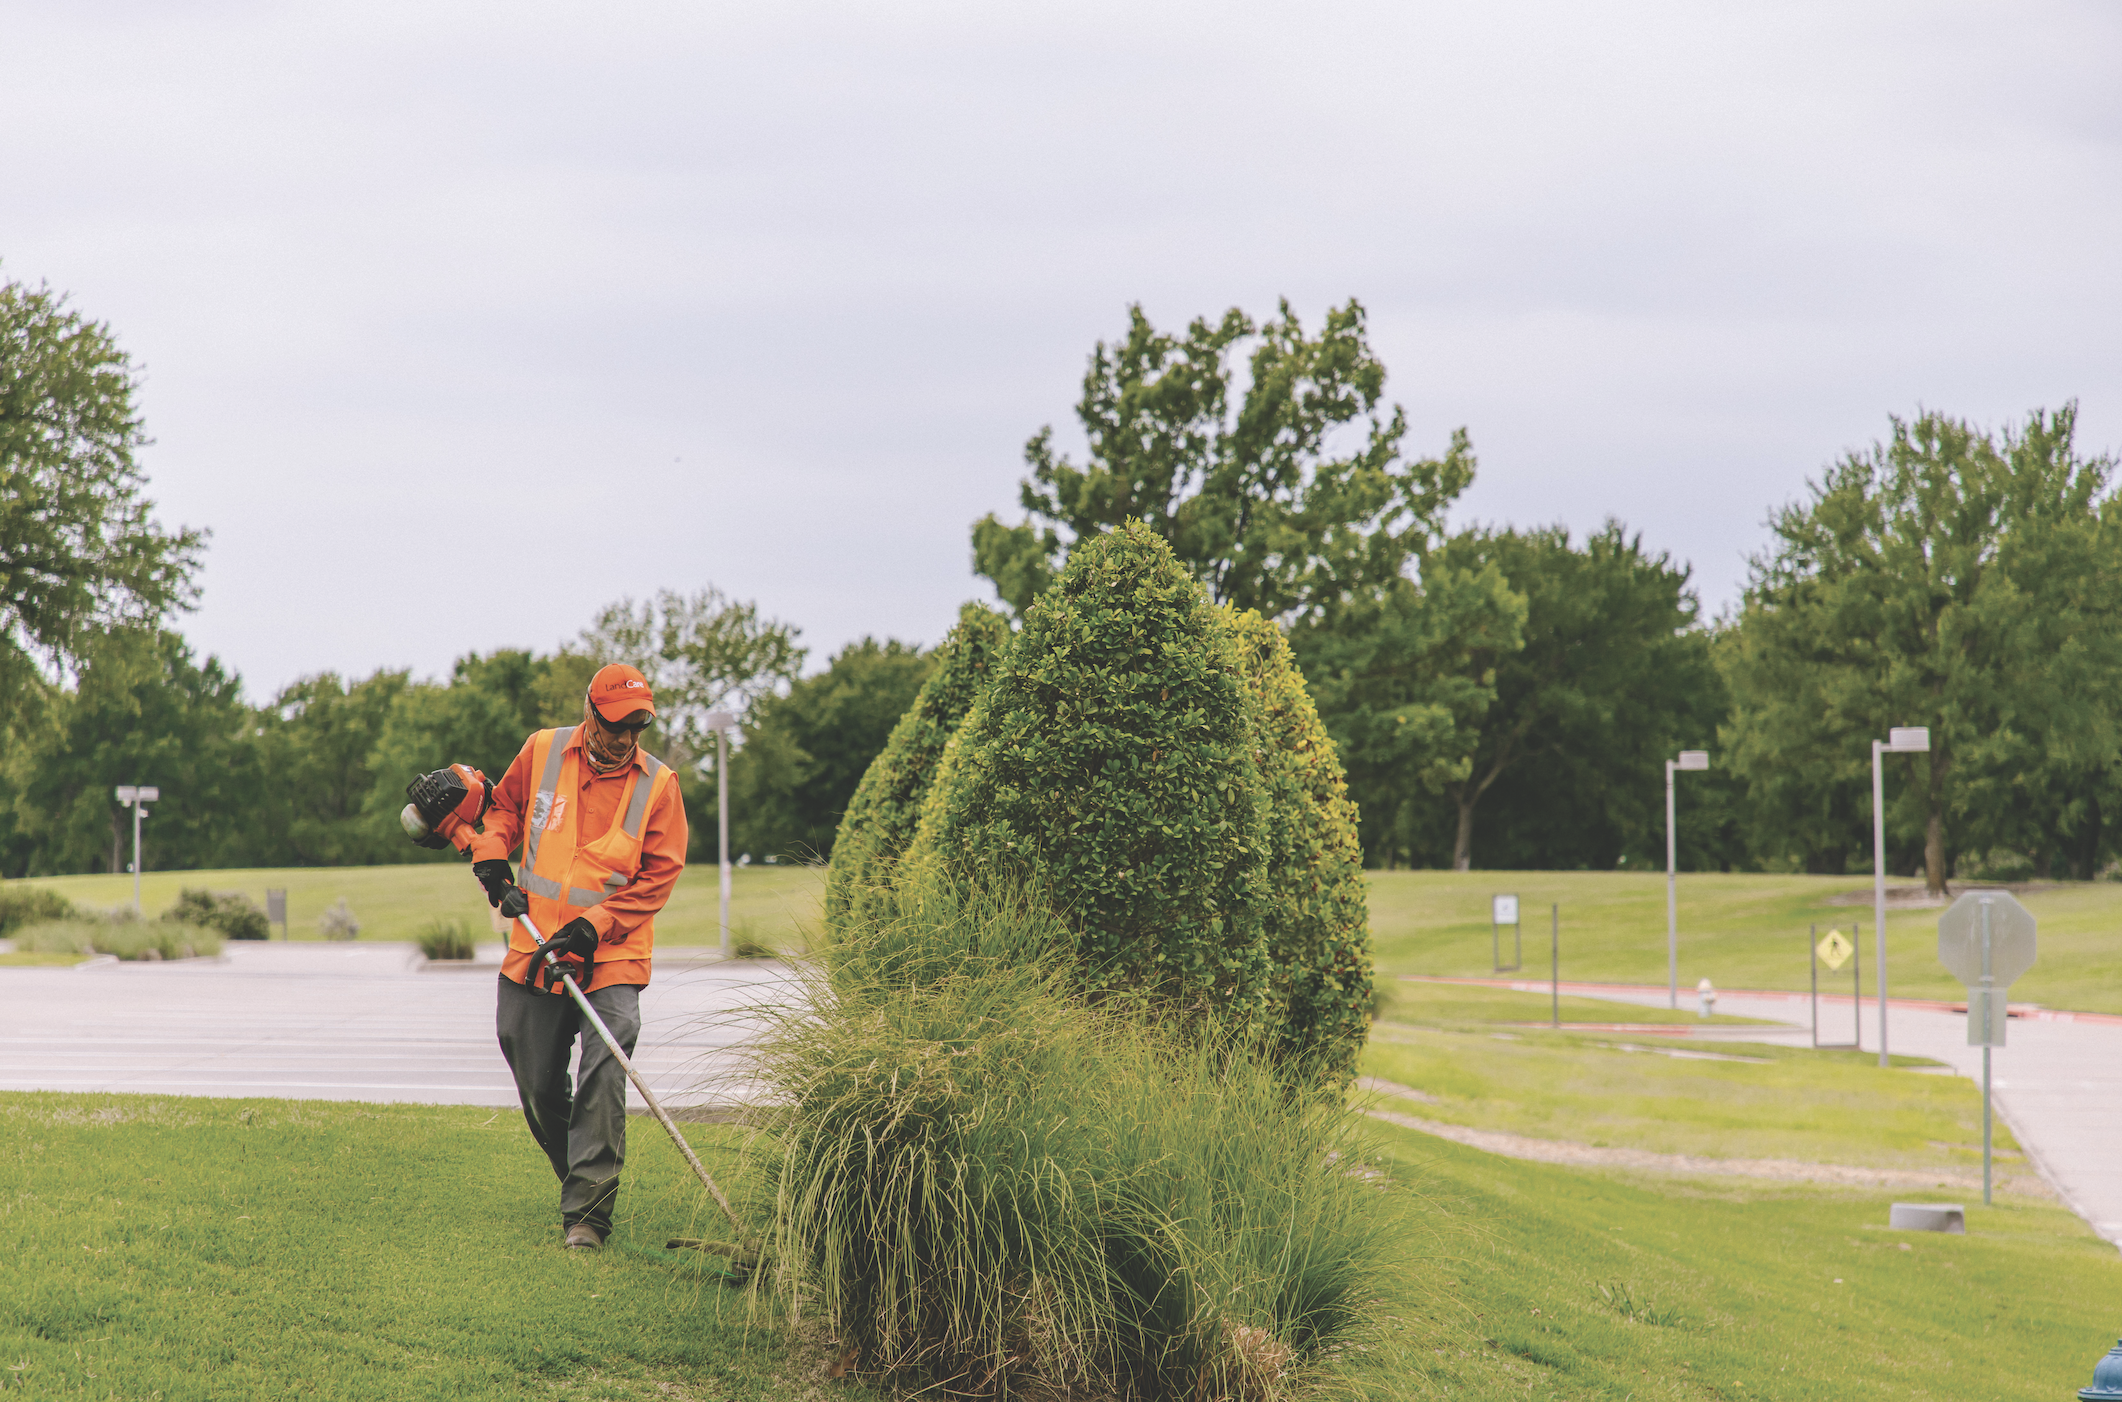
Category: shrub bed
[23,906]
[231,913]
[120,933]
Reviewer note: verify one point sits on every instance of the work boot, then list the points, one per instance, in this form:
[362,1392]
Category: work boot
[583,1237]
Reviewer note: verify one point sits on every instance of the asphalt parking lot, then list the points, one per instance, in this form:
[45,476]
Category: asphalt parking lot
[342,1022]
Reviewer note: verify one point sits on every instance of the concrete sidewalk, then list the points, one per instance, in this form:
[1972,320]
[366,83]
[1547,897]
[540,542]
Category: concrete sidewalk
[339,1022]
[2054,1083]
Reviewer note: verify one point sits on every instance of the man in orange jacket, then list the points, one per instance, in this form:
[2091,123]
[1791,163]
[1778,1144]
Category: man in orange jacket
[602,831]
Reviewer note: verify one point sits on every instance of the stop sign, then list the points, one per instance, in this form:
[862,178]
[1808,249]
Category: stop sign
[2011,938]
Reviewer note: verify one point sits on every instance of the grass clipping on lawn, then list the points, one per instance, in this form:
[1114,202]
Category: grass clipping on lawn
[991,1185]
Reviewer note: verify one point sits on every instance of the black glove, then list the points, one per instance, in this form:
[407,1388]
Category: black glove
[577,939]
[501,891]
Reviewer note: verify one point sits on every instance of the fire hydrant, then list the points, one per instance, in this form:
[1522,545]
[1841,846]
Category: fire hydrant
[1707,992]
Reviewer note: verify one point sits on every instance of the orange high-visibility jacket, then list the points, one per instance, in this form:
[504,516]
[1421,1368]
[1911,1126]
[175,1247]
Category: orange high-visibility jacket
[604,847]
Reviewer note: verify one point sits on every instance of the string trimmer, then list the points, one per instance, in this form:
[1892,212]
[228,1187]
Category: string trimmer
[742,1253]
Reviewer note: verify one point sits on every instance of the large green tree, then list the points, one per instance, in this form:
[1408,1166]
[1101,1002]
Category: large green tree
[481,716]
[1598,692]
[1285,497]
[143,710]
[699,651]
[80,553]
[319,738]
[1952,578]
[1404,677]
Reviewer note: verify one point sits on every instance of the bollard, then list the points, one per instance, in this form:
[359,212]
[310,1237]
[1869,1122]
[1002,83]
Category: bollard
[2107,1378]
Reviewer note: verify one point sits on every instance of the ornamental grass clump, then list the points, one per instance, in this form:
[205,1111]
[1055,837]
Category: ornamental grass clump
[886,806]
[992,1186]
[450,940]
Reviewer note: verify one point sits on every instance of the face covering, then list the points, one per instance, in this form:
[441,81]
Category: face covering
[607,749]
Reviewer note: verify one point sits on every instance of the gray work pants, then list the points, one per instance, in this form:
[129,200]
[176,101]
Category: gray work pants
[583,1130]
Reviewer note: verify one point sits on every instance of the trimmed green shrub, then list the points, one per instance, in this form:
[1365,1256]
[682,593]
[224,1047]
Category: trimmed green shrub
[22,906]
[886,807]
[1317,920]
[1112,764]
[993,1187]
[230,912]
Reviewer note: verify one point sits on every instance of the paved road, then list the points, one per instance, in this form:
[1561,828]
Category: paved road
[334,1022]
[2056,1082]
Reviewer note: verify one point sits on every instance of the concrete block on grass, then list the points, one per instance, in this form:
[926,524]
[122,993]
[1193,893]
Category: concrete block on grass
[1927,1217]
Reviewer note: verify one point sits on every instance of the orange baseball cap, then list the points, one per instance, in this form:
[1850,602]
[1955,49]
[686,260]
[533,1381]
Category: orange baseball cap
[620,692]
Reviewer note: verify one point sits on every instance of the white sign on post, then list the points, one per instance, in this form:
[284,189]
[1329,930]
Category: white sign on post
[1503,910]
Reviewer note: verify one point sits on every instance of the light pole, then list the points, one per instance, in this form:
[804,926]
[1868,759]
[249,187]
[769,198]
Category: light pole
[1689,759]
[720,722]
[1901,740]
[134,796]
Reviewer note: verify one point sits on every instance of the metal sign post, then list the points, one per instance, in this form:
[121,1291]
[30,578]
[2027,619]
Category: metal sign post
[136,795]
[1690,760]
[720,722]
[1503,910]
[1554,959]
[1835,950]
[1986,939]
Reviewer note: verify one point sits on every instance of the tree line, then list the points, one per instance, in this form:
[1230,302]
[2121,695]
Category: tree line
[1506,697]
[316,775]
[1502,697]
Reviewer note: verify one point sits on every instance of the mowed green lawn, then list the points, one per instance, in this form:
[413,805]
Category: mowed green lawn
[1739,931]
[177,1248]
[1561,1285]
[189,1249]
[775,905]
[1477,1063]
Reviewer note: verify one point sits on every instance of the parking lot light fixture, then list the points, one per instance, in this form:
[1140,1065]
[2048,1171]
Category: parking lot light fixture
[135,795]
[1689,759]
[1900,740]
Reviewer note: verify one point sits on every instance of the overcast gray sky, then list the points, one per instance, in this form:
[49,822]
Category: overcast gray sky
[458,321]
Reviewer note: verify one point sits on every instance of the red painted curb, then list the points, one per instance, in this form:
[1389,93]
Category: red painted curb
[2031,1012]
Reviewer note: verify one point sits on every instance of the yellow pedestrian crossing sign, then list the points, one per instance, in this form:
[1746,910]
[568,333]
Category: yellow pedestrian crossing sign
[1834,949]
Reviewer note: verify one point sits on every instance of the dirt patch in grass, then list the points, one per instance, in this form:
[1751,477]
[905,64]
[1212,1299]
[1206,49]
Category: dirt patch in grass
[1560,1151]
